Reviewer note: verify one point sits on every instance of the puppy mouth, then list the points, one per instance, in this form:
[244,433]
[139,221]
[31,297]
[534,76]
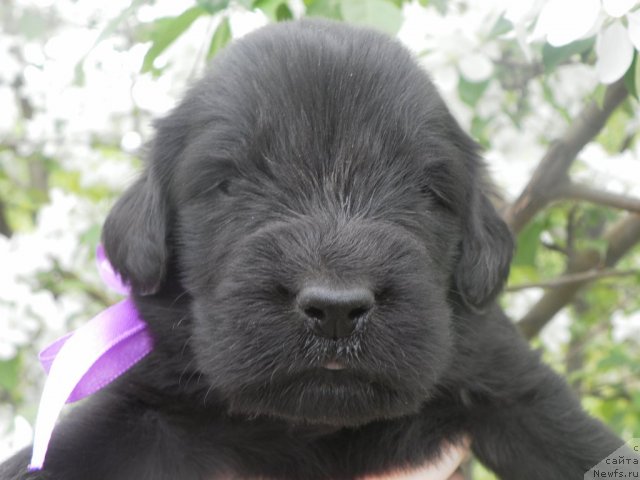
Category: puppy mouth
[334,365]
[335,394]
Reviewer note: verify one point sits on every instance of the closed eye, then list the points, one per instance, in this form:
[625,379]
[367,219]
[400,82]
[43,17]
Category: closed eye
[224,186]
[207,177]
[439,186]
[437,198]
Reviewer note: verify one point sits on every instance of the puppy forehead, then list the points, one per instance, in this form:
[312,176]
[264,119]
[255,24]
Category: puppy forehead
[315,84]
[314,101]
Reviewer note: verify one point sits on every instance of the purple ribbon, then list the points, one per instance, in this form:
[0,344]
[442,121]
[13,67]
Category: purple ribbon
[84,361]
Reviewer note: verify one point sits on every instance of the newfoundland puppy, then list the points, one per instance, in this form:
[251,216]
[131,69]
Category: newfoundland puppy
[313,249]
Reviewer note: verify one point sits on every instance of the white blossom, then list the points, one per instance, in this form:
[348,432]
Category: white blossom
[626,327]
[615,53]
[476,67]
[69,119]
[616,173]
[564,21]
[449,48]
[633,28]
[618,8]
[15,432]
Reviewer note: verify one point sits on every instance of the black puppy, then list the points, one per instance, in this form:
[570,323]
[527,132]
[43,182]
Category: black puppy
[313,250]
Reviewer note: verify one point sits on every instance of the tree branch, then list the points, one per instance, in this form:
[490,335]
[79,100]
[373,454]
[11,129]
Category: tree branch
[617,394]
[95,294]
[551,173]
[620,238]
[589,275]
[583,192]
[4,226]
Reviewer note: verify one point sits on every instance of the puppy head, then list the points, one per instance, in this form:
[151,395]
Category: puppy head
[326,216]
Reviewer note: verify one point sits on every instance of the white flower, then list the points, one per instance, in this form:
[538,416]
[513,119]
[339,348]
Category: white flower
[243,21]
[625,327]
[16,434]
[9,118]
[633,20]
[614,51]
[476,67]
[556,334]
[450,47]
[521,11]
[562,22]
[617,8]
[615,173]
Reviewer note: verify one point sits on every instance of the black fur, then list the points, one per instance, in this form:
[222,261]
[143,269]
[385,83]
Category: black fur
[317,152]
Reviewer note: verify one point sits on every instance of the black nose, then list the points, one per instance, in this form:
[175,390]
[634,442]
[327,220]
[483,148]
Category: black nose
[334,312]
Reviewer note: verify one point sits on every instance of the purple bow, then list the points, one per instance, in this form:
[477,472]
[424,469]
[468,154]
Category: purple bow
[84,361]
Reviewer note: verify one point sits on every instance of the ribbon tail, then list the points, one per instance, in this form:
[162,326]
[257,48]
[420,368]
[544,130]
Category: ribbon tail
[116,332]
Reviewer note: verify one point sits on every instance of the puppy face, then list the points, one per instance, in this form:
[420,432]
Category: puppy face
[324,213]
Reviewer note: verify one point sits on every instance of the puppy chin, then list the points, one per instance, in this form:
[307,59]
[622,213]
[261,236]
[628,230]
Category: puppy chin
[335,398]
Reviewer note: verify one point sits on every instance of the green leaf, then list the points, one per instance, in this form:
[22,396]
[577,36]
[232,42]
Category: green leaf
[213,6]
[166,30]
[481,473]
[554,56]
[501,27]
[614,133]
[599,245]
[549,96]
[632,77]
[115,23]
[91,236]
[283,13]
[268,7]
[276,10]
[528,244]
[441,6]
[471,92]
[616,358]
[220,38]
[479,131]
[31,23]
[636,75]
[66,180]
[519,274]
[380,14]
[10,373]
[324,8]
[598,94]
[79,76]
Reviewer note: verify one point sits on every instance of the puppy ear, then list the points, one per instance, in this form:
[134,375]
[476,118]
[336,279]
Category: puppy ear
[486,251]
[135,235]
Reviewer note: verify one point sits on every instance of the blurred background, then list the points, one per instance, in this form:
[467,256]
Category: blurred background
[549,88]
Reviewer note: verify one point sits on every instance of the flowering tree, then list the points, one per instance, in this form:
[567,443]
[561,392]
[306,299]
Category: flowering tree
[549,88]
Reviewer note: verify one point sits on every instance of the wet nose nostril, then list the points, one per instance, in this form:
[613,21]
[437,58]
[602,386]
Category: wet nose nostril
[334,312]
[358,312]
[314,313]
